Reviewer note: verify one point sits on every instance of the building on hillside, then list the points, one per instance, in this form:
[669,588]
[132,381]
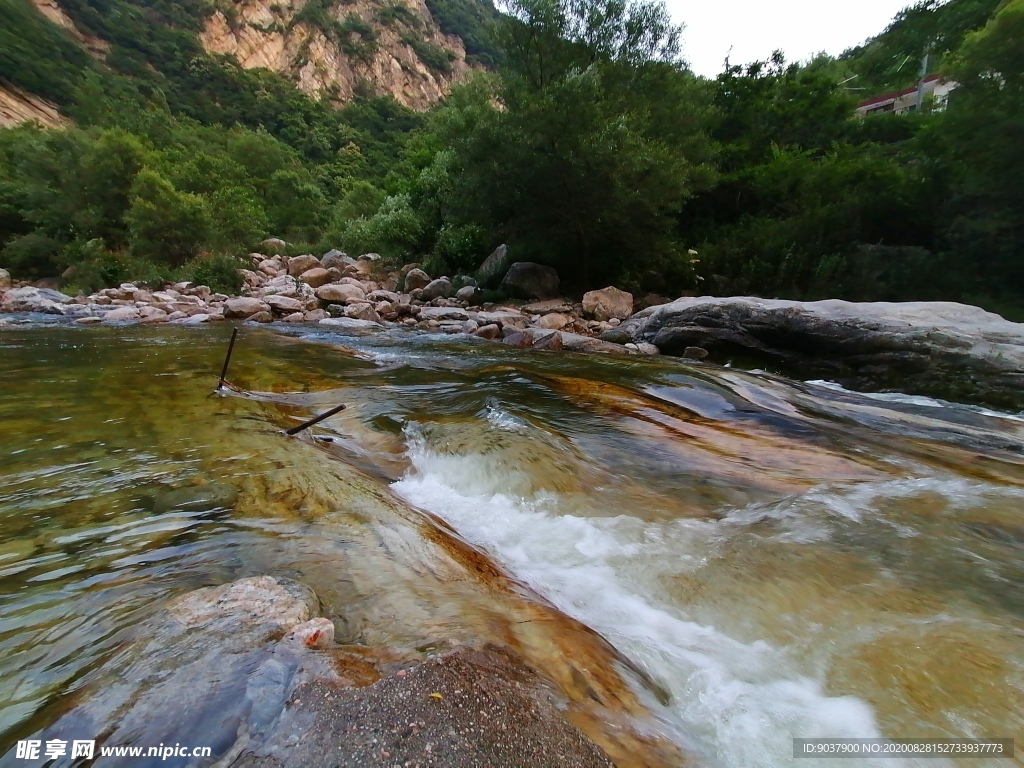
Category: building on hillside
[934,88]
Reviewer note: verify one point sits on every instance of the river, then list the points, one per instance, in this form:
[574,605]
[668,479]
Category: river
[778,559]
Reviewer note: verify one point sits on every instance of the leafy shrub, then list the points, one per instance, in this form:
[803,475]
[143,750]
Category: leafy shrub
[33,255]
[220,272]
[463,246]
[398,12]
[93,267]
[434,56]
[395,231]
[166,225]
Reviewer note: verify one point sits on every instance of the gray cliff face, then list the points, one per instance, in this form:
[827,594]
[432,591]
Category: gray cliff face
[941,349]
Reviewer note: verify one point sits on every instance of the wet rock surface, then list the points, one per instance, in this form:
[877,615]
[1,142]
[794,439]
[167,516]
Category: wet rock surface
[941,349]
[197,498]
[249,670]
[470,707]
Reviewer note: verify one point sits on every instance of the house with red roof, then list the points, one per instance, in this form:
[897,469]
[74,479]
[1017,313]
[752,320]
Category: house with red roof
[934,88]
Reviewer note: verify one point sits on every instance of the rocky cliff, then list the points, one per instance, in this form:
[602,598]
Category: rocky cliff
[20,107]
[334,50]
[54,13]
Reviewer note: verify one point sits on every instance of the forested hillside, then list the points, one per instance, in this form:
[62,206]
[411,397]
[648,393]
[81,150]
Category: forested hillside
[932,28]
[584,143]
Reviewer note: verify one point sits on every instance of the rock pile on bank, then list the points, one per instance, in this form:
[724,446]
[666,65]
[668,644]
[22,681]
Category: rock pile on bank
[336,290]
[942,349]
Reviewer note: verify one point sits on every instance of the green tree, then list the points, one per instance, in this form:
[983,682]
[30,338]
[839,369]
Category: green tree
[106,173]
[982,132]
[295,206]
[588,142]
[166,225]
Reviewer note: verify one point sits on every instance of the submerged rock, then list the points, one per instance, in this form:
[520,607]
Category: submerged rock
[197,498]
[464,709]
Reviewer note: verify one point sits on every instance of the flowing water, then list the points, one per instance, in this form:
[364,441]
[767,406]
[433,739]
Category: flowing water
[771,559]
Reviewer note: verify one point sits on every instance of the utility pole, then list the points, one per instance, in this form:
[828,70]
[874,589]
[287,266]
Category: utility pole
[920,82]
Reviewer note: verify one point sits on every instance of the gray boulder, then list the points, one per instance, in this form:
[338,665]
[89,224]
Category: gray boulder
[436,289]
[32,299]
[5,279]
[494,266]
[416,278]
[469,294]
[336,258]
[574,342]
[941,349]
[528,280]
[443,313]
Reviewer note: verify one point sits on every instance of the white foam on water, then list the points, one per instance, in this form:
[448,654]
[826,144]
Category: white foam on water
[739,703]
[502,419]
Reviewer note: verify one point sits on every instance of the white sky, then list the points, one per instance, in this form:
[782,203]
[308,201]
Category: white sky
[754,28]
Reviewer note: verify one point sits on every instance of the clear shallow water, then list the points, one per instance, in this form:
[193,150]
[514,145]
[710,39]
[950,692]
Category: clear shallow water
[784,560]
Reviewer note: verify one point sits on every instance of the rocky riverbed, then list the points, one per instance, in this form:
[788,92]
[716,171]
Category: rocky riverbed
[942,349]
[352,293]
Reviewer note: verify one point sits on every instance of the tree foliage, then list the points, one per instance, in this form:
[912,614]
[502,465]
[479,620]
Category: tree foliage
[590,147]
[587,141]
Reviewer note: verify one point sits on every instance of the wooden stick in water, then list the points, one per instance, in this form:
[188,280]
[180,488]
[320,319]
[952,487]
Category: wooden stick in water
[315,420]
[227,359]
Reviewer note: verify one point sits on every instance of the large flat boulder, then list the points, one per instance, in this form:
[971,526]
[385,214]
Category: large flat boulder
[942,349]
[341,293]
[244,307]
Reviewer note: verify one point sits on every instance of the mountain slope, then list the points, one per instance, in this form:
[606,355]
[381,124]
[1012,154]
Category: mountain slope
[190,50]
[392,49]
